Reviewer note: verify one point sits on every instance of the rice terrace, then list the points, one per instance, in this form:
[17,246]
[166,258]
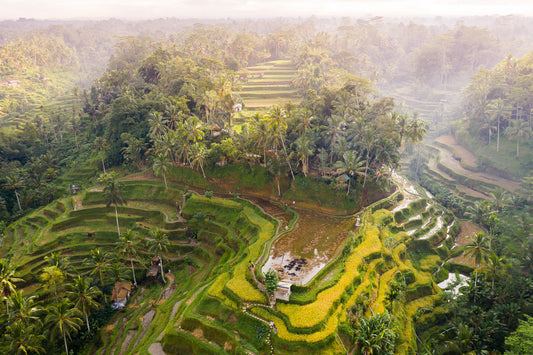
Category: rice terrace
[277,186]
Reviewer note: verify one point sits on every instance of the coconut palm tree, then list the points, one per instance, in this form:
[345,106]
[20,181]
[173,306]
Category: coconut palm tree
[112,193]
[499,110]
[478,249]
[157,244]
[99,263]
[304,148]
[277,124]
[100,144]
[374,335]
[14,181]
[351,165]
[7,280]
[160,167]
[63,319]
[24,309]
[62,262]
[197,156]
[117,272]
[53,278]
[499,197]
[24,338]
[158,125]
[127,246]
[84,297]
[519,130]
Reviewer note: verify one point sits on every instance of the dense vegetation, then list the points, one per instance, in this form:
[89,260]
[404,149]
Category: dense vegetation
[164,116]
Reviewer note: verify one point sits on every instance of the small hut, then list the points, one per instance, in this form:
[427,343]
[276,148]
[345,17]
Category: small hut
[121,293]
[284,291]
[153,271]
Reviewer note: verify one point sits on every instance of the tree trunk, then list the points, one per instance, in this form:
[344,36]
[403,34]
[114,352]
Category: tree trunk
[18,200]
[348,190]
[103,165]
[165,178]
[518,148]
[286,156]
[162,272]
[279,190]
[202,168]
[498,138]
[65,340]
[87,321]
[116,217]
[133,272]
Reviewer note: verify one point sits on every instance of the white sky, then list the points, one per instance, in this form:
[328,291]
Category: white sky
[47,9]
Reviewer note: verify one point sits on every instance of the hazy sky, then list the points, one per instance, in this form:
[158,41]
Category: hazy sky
[13,9]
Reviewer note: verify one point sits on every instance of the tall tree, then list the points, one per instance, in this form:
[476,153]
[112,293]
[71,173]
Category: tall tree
[127,245]
[14,181]
[8,277]
[100,144]
[498,109]
[64,319]
[99,263]
[351,165]
[160,167]
[478,249]
[277,123]
[84,297]
[112,193]
[157,244]
[24,339]
[518,130]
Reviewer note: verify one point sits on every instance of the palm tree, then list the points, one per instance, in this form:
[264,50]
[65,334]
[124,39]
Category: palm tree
[112,193]
[62,262]
[415,133]
[24,338]
[127,246]
[493,266]
[160,167]
[100,144]
[158,125]
[84,297]
[351,165]
[478,212]
[374,335]
[158,244]
[7,280]
[24,309]
[53,277]
[64,319]
[499,197]
[478,249]
[499,110]
[277,124]
[13,181]
[99,264]
[117,272]
[518,129]
[198,156]
[304,148]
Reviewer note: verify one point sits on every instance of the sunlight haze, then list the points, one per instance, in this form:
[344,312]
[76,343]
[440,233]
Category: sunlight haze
[13,9]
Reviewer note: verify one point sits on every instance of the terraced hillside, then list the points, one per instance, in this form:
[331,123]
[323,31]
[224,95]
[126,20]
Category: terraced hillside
[268,84]
[456,168]
[214,301]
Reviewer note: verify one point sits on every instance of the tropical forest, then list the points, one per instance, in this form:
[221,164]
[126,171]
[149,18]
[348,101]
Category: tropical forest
[290,185]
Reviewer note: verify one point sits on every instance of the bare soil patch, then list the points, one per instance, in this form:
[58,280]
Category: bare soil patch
[467,229]
[467,157]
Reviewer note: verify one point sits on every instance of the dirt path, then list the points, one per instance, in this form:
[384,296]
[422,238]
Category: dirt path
[467,157]
[447,159]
